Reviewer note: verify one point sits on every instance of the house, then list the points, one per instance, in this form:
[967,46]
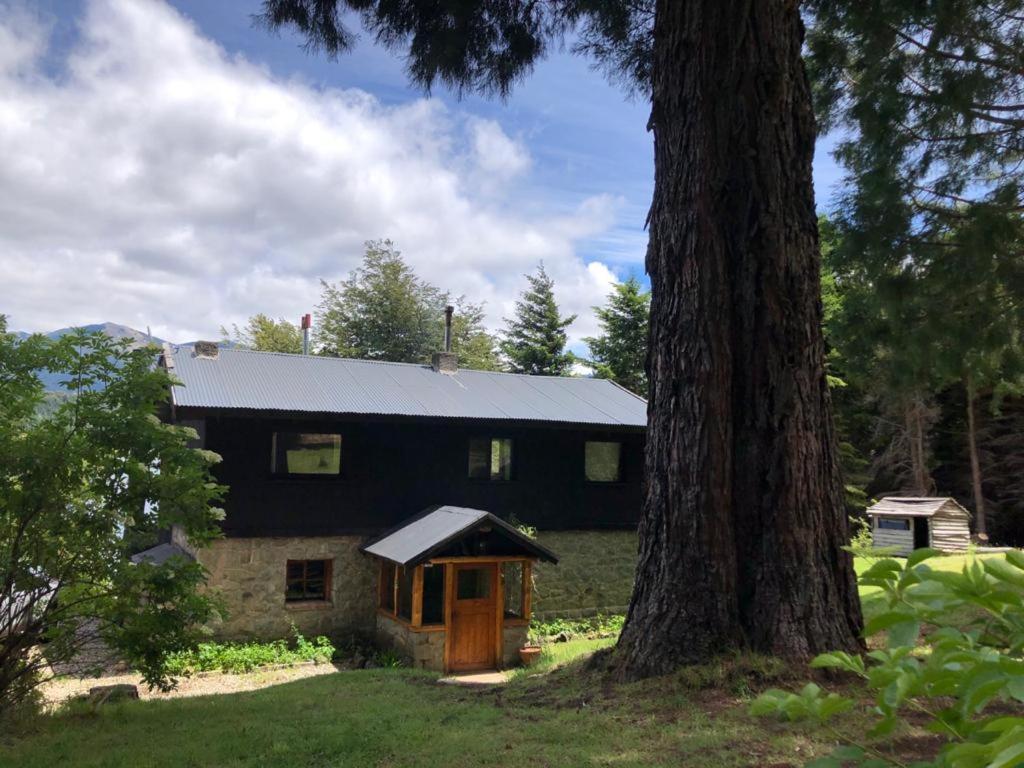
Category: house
[397,499]
[909,523]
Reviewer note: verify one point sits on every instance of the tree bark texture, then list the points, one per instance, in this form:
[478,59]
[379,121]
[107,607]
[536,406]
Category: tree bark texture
[980,526]
[743,522]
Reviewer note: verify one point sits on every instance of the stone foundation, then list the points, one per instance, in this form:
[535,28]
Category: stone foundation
[594,574]
[249,576]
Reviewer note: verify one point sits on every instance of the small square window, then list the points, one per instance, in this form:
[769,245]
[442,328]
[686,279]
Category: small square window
[472,583]
[603,462]
[490,458]
[307,580]
[306,453]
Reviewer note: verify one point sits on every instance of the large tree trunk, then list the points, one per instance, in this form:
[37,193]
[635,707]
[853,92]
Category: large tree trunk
[980,527]
[743,521]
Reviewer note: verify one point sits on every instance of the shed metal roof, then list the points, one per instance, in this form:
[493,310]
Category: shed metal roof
[915,506]
[242,379]
[416,540]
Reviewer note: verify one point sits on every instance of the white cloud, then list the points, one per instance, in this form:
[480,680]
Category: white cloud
[160,181]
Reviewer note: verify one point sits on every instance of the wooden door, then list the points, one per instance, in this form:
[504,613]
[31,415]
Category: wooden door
[473,624]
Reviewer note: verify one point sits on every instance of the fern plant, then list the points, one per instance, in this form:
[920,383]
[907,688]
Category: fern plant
[971,658]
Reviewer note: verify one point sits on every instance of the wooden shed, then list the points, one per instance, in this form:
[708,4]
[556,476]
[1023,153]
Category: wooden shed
[913,522]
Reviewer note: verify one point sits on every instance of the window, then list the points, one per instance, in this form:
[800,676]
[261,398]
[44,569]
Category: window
[308,580]
[512,579]
[473,583]
[433,594]
[490,458]
[387,586]
[306,453]
[893,523]
[405,593]
[603,462]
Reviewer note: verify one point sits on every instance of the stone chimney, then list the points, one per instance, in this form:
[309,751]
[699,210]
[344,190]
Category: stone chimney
[447,361]
[205,349]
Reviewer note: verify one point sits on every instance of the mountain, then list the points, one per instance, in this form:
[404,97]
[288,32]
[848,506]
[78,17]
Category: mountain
[52,381]
[114,331]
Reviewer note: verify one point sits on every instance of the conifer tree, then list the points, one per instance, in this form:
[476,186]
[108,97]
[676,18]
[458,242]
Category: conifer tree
[534,340]
[620,352]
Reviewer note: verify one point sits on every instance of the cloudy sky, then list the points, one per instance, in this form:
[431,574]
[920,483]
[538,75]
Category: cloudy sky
[166,164]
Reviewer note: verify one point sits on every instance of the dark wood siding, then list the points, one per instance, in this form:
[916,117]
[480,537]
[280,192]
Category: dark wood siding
[393,469]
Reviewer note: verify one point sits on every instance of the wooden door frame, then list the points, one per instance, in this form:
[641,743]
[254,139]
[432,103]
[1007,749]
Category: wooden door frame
[451,564]
[451,582]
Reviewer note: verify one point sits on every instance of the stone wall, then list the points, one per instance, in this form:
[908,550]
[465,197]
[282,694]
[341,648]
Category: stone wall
[425,650]
[249,576]
[594,574]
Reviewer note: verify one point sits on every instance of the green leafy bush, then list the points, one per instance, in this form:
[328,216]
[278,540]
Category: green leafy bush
[244,657]
[970,660]
[590,627]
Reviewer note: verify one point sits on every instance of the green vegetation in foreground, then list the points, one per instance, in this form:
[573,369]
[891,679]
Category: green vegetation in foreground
[565,717]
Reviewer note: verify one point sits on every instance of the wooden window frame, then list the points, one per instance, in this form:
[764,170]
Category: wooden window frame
[328,581]
[415,623]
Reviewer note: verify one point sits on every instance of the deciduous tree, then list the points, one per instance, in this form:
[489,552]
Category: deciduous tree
[265,334]
[73,483]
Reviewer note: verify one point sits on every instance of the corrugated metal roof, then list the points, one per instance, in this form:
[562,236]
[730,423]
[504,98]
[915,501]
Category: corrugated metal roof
[244,379]
[418,539]
[160,554]
[914,506]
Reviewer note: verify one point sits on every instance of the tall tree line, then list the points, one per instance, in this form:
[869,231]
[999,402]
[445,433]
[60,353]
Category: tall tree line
[384,311]
[929,252]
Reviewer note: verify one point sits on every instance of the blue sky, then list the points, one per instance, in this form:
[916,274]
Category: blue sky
[565,164]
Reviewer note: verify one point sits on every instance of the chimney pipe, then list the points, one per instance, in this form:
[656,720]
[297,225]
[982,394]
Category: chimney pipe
[448,327]
[446,361]
[307,321]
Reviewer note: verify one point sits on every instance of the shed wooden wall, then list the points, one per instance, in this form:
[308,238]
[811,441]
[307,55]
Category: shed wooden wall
[885,537]
[950,531]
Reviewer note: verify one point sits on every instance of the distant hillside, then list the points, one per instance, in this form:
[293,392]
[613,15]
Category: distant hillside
[52,381]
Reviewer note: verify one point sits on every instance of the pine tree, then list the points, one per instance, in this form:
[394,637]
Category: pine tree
[534,340]
[620,352]
[264,334]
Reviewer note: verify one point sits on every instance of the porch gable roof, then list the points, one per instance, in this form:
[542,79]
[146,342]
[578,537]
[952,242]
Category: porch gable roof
[418,539]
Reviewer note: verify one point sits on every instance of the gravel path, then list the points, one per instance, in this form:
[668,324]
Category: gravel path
[205,684]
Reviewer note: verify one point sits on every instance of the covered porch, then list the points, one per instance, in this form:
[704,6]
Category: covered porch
[455,587]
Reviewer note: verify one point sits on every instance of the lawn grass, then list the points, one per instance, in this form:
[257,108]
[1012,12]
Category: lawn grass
[561,714]
[557,713]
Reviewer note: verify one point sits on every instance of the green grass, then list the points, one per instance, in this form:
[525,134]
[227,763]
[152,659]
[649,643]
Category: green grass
[567,716]
[557,713]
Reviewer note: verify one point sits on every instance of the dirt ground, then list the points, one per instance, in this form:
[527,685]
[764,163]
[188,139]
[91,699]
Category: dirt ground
[59,689]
